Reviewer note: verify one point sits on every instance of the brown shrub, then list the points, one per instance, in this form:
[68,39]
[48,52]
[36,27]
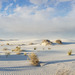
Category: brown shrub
[34,59]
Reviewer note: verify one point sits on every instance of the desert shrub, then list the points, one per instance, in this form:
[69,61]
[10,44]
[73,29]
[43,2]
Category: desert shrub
[7,54]
[49,48]
[46,42]
[31,43]
[25,53]
[35,48]
[58,41]
[7,44]
[17,49]
[18,53]
[34,59]
[5,49]
[69,52]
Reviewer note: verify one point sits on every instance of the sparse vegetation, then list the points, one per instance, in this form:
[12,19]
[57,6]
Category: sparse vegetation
[34,59]
[25,53]
[18,53]
[58,41]
[5,49]
[69,52]
[7,44]
[17,49]
[35,48]
[49,48]
[7,54]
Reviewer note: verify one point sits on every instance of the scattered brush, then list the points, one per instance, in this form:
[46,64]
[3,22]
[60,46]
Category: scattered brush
[18,53]
[25,53]
[34,59]
[17,49]
[5,49]
[35,48]
[49,48]
[7,44]
[69,52]
[7,54]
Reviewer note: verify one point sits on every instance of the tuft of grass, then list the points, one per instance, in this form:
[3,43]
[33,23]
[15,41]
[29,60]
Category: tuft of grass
[49,48]
[18,53]
[17,49]
[34,59]
[7,44]
[5,49]
[7,54]
[35,48]
[25,53]
[69,52]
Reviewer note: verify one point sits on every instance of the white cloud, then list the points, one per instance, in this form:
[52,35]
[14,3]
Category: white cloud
[29,20]
[38,2]
[8,6]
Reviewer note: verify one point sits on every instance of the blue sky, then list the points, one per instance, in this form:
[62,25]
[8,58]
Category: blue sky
[37,18]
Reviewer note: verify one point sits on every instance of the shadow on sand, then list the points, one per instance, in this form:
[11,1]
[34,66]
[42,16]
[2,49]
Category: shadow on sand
[57,61]
[13,57]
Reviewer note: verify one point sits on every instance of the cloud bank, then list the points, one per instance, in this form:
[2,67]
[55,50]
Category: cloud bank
[34,22]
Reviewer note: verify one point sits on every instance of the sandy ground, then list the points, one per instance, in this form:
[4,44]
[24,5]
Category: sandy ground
[51,61]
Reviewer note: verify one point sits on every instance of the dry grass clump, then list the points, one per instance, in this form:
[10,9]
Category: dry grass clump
[31,43]
[7,54]
[7,44]
[17,49]
[49,48]
[5,49]
[69,52]
[63,72]
[18,53]
[25,53]
[35,48]
[58,41]
[34,59]
[46,42]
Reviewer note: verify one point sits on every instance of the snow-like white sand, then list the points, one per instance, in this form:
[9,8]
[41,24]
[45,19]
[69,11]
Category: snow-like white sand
[51,61]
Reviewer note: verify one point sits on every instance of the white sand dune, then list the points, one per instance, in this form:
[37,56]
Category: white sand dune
[50,60]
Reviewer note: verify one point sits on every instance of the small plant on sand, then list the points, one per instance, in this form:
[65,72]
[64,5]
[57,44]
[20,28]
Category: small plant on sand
[69,52]
[18,53]
[7,44]
[33,59]
[25,53]
[7,54]
[49,48]
[5,49]
[17,49]
[34,48]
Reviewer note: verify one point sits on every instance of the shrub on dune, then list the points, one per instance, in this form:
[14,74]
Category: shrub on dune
[58,41]
[69,52]
[7,53]
[17,49]
[7,44]
[34,59]
[46,42]
[5,49]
